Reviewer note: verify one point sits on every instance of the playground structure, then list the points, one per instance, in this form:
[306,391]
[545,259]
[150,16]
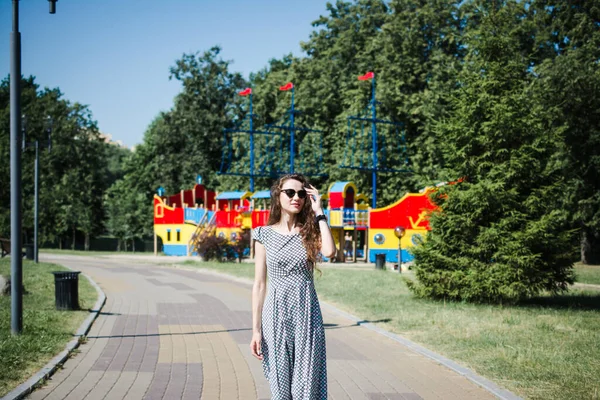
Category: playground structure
[360,232]
[281,148]
[383,139]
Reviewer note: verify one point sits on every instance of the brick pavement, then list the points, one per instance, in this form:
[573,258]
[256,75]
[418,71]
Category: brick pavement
[168,333]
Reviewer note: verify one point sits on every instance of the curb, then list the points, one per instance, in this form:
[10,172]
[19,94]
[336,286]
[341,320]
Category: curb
[479,380]
[48,370]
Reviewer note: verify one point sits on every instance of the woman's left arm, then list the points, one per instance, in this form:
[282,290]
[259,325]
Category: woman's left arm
[327,244]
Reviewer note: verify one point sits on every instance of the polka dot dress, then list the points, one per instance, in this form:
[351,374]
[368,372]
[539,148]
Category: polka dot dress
[293,342]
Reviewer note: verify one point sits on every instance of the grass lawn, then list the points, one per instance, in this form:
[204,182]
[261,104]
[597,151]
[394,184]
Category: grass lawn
[46,331]
[587,274]
[545,348]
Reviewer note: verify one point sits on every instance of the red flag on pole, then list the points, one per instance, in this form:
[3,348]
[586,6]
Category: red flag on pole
[287,86]
[245,92]
[367,76]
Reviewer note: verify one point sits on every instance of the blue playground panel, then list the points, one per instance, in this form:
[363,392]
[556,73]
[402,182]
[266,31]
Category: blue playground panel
[391,255]
[175,249]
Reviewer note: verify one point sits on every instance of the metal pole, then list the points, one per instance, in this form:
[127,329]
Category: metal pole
[16,261]
[399,255]
[374,137]
[36,202]
[292,144]
[251,147]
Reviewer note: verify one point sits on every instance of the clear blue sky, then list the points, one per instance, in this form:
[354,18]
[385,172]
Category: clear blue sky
[114,55]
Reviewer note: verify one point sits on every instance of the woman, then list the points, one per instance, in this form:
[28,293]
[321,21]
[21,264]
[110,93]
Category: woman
[288,334]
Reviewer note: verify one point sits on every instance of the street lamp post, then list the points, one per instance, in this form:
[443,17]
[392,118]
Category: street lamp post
[399,231]
[36,206]
[16,263]
[52,4]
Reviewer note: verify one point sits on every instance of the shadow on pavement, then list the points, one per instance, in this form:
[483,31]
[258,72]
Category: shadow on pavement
[327,326]
[358,323]
[166,334]
[105,313]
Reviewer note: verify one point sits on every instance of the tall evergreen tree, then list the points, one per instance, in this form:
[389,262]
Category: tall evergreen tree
[501,235]
[569,84]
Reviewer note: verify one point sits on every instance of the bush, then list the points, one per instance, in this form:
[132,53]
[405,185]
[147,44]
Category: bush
[487,245]
[215,247]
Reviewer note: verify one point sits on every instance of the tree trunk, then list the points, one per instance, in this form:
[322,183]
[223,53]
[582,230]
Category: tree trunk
[133,245]
[73,243]
[87,241]
[590,248]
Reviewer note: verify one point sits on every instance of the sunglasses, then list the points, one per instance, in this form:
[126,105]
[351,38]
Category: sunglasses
[291,193]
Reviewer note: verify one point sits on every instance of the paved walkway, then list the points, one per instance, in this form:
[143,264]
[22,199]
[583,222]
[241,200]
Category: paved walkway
[169,333]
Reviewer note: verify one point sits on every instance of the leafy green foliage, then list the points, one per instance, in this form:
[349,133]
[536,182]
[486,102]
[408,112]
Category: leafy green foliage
[127,211]
[568,85]
[502,235]
[74,174]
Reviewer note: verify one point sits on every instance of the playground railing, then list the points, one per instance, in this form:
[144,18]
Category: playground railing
[194,214]
[347,217]
[361,218]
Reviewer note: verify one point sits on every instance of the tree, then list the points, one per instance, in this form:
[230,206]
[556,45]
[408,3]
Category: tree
[72,175]
[502,235]
[127,211]
[207,104]
[568,84]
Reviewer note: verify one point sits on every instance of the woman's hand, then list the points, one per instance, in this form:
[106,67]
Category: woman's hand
[255,345]
[315,199]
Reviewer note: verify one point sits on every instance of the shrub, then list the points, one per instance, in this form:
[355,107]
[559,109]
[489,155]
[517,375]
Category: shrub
[487,245]
[214,247]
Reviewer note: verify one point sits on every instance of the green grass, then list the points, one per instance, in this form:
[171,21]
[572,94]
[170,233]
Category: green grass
[46,331]
[544,348]
[589,274]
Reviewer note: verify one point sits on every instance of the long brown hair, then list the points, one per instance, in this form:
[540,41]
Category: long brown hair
[309,230]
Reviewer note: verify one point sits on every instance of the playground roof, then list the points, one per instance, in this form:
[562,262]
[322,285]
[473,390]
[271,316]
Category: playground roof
[263,194]
[340,187]
[233,195]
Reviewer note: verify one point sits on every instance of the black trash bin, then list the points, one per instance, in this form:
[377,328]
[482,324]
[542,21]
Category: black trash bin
[380,261]
[66,290]
[29,251]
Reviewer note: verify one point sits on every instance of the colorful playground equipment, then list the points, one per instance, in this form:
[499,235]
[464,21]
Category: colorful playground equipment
[360,232]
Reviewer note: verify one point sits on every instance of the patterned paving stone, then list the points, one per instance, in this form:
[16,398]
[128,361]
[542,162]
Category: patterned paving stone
[171,333]
[174,285]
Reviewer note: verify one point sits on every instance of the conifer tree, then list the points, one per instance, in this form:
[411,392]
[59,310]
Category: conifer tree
[500,235]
